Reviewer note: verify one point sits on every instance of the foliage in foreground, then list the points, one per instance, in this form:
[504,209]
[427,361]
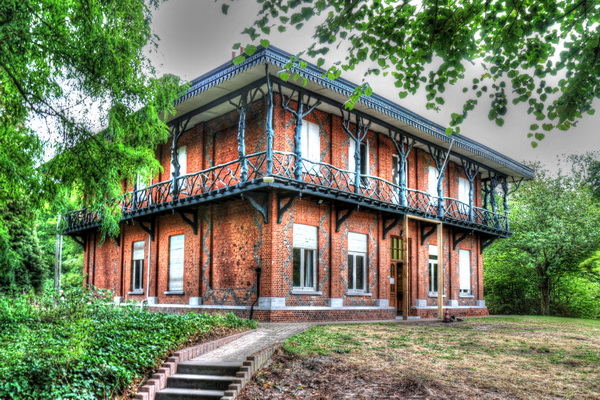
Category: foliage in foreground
[81,346]
[540,53]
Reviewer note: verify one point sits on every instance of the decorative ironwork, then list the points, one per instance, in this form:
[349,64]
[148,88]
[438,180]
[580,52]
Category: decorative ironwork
[361,132]
[426,231]
[260,202]
[403,145]
[319,178]
[269,123]
[458,237]
[282,208]
[193,221]
[393,219]
[150,228]
[242,107]
[342,213]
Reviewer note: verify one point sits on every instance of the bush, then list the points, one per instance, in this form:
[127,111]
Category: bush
[80,346]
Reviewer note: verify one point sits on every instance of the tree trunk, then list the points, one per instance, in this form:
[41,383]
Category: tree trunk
[544,285]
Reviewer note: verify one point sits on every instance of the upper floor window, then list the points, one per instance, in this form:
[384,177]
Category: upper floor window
[310,146]
[432,181]
[464,272]
[364,157]
[463,190]
[137,267]
[305,257]
[357,262]
[176,259]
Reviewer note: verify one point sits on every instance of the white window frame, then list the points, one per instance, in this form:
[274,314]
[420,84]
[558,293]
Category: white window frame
[311,147]
[464,273]
[304,257]
[357,248]
[137,266]
[176,263]
[432,270]
[463,194]
[396,177]
[364,161]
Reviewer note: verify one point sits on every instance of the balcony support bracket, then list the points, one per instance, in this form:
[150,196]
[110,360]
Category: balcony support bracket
[282,208]
[426,231]
[147,226]
[390,221]
[342,213]
[486,242]
[457,237]
[80,240]
[192,220]
[260,202]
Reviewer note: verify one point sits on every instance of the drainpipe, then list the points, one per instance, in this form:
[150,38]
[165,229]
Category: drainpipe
[258,271]
[148,273]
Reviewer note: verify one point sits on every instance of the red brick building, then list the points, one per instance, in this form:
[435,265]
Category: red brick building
[275,198]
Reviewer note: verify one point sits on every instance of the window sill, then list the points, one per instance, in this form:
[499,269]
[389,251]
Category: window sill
[177,292]
[359,294]
[311,292]
[434,294]
[136,292]
[466,296]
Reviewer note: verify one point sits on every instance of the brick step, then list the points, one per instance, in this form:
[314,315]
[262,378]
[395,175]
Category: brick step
[195,381]
[189,394]
[208,368]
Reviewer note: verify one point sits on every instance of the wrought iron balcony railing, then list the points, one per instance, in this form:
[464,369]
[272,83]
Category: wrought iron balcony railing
[320,177]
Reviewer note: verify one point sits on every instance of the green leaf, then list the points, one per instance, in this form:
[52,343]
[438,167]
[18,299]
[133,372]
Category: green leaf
[539,136]
[402,94]
[449,131]
[224,8]
[250,50]
[547,127]
[534,144]
[265,43]
[239,60]
[320,62]
[284,76]
[499,122]
[534,127]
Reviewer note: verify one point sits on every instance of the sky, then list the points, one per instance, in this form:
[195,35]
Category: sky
[196,37]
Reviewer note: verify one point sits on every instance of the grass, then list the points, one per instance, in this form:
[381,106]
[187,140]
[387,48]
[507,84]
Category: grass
[510,357]
[80,346]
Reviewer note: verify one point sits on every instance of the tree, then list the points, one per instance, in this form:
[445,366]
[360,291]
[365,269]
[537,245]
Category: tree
[554,220]
[544,53]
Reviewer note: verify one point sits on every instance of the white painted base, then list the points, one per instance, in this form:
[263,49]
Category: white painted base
[152,301]
[452,303]
[383,303]
[480,303]
[336,302]
[118,299]
[271,302]
[421,303]
[195,301]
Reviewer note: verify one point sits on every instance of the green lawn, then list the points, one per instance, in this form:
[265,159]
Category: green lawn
[511,357]
[83,347]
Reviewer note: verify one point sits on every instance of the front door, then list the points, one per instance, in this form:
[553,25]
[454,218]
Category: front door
[396,295]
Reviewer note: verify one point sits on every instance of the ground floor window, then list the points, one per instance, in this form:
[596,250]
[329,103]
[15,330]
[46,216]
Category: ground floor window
[464,272]
[137,267]
[357,262]
[433,270]
[305,257]
[176,258]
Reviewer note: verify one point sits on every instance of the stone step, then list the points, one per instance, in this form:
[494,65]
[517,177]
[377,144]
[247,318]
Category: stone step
[195,381]
[189,394]
[208,368]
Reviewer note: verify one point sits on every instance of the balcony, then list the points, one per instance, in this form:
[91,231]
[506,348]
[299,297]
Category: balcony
[319,179]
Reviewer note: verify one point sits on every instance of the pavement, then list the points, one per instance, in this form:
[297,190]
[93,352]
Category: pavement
[264,336]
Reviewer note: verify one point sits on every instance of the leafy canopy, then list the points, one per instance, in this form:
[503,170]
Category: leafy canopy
[543,53]
[76,72]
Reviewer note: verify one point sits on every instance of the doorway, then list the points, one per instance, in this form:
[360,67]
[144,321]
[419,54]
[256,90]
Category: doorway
[396,283]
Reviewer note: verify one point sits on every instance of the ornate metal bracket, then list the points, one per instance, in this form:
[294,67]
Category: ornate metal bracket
[193,221]
[393,220]
[486,242]
[260,202]
[425,232]
[149,229]
[342,213]
[457,237]
[80,240]
[282,208]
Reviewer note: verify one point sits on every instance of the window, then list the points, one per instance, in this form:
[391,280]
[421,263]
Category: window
[463,190]
[176,246]
[137,267]
[396,177]
[433,270]
[305,257]
[357,262]
[310,146]
[396,248]
[464,272]
[432,181]
[364,160]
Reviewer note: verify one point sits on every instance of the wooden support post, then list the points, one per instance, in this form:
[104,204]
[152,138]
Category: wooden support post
[440,270]
[405,275]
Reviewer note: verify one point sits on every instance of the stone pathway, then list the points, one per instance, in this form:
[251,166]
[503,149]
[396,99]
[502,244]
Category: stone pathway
[266,335]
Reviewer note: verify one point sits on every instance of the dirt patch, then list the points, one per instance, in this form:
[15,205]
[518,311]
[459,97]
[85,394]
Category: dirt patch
[332,378]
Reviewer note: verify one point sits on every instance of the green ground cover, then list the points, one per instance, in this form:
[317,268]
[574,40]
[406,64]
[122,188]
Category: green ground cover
[80,346]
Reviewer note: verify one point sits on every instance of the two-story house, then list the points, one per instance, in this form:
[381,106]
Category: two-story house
[276,199]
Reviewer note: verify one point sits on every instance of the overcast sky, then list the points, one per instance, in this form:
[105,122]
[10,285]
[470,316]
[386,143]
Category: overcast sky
[196,37]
